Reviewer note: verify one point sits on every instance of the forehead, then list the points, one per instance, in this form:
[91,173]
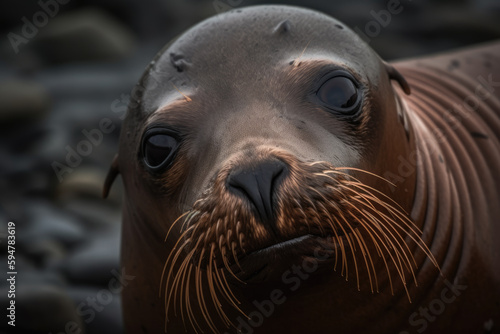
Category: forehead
[244,46]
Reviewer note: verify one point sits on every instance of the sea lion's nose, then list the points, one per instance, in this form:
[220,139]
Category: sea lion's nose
[258,184]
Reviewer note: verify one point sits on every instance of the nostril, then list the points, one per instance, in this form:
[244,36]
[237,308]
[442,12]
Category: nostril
[243,181]
[258,184]
[276,178]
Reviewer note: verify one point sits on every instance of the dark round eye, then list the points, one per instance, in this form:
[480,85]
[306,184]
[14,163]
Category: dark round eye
[340,94]
[159,149]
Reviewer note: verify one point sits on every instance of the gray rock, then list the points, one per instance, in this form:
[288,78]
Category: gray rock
[3,228]
[29,273]
[93,263]
[22,101]
[43,252]
[101,309]
[82,182]
[84,35]
[48,223]
[96,215]
[40,277]
[43,309]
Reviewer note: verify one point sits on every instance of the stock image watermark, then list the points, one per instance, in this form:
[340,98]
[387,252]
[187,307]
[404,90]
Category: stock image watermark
[84,148]
[420,319]
[94,304]
[30,28]
[298,274]
[93,138]
[381,19]
[11,273]
[293,278]
[454,117]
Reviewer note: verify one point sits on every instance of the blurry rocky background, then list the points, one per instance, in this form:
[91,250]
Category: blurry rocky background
[67,68]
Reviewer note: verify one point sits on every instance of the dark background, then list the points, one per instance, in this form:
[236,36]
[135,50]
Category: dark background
[78,68]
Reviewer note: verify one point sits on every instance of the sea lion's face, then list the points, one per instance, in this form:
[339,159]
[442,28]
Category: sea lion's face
[266,132]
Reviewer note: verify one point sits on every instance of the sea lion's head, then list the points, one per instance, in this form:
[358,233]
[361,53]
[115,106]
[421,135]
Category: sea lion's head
[260,136]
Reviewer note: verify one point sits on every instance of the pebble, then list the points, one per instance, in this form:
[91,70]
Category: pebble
[100,309]
[92,264]
[44,251]
[95,215]
[48,223]
[84,35]
[31,273]
[22,101]
[85,183]
[43,309]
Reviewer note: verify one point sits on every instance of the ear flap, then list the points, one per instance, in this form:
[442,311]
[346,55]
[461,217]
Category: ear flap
[113,172]
[395,75]
[403,117]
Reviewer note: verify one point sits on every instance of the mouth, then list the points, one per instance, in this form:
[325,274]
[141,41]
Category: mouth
[272,262]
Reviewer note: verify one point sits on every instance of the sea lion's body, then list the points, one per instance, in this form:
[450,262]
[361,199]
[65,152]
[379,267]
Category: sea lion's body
[455,107]
[255,151]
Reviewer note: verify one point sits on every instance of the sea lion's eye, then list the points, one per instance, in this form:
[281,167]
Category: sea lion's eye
[159,149]
[340,93]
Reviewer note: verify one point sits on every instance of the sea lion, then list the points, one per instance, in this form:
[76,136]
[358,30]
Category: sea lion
[281,178]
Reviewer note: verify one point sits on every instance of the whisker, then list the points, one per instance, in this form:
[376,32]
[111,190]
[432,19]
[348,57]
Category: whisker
[367,253]
[168,260]
[215,300]
[226,264]
[175,222]
[191,317]
[174,261]
[235,257]
[185,264]
[201,298]
[368,226]
[232,294]
[410,225]
[173,289]
[421,244]
[170,256]
[390,223]
[396,252]
[353,252]
[369,189]
[353,233]
[336,240]
[367,172]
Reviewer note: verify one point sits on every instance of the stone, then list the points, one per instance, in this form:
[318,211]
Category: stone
[93,264]
[100,309]
[84,182]
[84,35]
[22,100]
[49,223]
[42,309]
